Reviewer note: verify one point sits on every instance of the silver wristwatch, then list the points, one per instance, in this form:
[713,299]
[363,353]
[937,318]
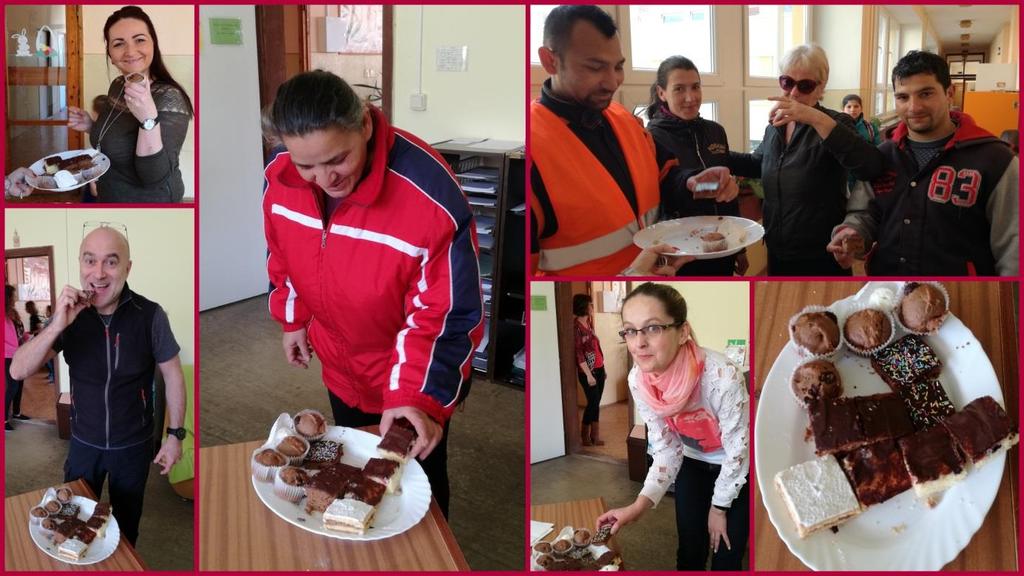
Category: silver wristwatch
[148,124]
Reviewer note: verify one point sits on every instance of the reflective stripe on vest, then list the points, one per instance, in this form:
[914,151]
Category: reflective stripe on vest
[595,220]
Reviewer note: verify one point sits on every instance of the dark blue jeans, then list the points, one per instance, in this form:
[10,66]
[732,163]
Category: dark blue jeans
[592,412]
[695,485]
[127,470]
[12,393]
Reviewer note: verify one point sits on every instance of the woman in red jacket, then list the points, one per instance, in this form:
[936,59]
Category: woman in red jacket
[373,253]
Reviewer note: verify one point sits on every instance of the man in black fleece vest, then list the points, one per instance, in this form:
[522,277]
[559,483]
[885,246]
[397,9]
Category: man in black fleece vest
[113,341]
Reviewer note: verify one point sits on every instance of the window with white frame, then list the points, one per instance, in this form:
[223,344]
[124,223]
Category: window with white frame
[887,53]
[657,32]
[538,14]
[757,121]
[771,32]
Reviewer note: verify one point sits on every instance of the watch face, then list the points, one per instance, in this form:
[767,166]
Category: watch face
[148,124]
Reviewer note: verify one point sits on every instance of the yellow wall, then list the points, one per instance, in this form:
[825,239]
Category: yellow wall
[175,29]
[162,244]
[485,101]
[717,311]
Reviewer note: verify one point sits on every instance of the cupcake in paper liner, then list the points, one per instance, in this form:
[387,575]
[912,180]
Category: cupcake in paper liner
[541,548]
[560,547]
[867,330]
[815,379]
[581,538]
[310,424]
[922,307]
[49,525]
[815,332]
[290,482]
[37,514]
[294,448]
[266,462]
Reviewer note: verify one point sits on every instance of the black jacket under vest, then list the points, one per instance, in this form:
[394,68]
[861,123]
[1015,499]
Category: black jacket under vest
[112,371]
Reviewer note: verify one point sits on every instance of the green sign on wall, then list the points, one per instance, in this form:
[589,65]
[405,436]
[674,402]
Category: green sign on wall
[226,31]
[539,302]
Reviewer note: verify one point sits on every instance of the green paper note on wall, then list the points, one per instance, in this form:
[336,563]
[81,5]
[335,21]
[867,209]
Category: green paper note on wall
[226,31]
[539,303]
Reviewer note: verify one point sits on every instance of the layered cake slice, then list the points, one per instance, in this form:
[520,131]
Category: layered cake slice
[877,472]
[365,490]
[65,530]
[324,487]
[883,417]
[85,534]
[835,424]
[323,453]
[386,472]
[908,359]
[817,494]
[97,524]
[397,443]
[927,402]
[932,461]
[102,510]
[981,429]
[72,549]
[346,515]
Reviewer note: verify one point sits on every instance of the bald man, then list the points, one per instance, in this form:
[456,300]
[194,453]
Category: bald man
[113,341]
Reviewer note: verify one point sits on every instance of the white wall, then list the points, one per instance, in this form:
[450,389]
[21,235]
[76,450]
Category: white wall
[911,38]
[616,362]
[485,101]
[175,31]
[837,30]
[162,248]
[547,436]
[233,249]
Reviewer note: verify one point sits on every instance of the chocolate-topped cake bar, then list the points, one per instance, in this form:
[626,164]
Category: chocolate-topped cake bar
[385,472]
[397,443]
[877,472]
[66,530]
[981,429]
[365,490]
[883,417]
[835,425]
[322,453]
[908,359]
[328,484]
[933,462]
[68,510]
[926,401]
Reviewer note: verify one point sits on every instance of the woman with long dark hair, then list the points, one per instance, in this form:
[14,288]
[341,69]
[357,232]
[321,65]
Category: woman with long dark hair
[698,144]
[694,402]
[589,368]
[13,331]
[142,122]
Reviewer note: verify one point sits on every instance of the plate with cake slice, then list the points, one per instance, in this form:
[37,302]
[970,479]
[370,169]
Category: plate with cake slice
[871,460]
[340,482]
[76,530]
[66,171]
[705,237]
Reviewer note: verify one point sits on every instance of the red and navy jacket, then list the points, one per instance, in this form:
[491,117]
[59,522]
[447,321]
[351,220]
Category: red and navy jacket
[955,216]
[389,290]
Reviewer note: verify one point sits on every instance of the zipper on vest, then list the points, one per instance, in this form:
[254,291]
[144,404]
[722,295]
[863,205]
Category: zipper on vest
[106,387]
[117,350]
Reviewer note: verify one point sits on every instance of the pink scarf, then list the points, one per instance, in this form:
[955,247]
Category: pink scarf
[677,389]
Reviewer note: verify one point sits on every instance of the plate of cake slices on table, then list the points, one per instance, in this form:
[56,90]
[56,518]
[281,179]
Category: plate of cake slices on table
[341,482]
[705,237]
[881,432]
[66,171]
[73,529]
[576,550]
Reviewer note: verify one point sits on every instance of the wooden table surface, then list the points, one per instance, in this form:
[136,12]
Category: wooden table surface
[989,310]
[238,532]
[576,513]
[22,554]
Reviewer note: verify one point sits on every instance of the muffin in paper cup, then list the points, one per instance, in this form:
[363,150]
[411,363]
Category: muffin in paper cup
[290,492]
[806,399]
[541,548]
[64,495]
[938,321]
[48,525]
[288,444]
[807,352]
[310,424]
[37,514]
[561,547]
[856,348]
[266,472]
[581,538]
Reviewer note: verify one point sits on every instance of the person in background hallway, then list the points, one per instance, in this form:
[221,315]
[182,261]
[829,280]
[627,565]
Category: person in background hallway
[589,368]
[868,131]
[14,329]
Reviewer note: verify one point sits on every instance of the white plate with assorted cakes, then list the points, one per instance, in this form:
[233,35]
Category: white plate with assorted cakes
[880,432]
[68,170]
[705,237]
[576,550]
[73,529]
[341,482]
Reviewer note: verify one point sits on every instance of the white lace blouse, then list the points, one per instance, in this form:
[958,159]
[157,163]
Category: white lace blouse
[724,394]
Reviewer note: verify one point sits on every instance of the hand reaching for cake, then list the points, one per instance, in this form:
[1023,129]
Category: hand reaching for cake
[428,432]
[620,517]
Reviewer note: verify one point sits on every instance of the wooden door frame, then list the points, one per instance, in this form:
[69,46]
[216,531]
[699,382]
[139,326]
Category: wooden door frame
[567,366]
[37,252]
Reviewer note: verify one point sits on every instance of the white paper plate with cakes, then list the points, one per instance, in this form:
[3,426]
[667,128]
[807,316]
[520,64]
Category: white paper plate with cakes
[902,532]
[399,506]
[101,547]
[66,171]
[705,237]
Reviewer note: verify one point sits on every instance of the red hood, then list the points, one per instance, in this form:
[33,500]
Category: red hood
[966,131]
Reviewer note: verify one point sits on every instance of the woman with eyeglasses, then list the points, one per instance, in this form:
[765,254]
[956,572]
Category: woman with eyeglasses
[142,123]
[803,162]
[694,402]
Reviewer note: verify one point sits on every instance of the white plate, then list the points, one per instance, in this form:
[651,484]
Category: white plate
[396,513]
[901,533]
[98,551]
[684,234]
[45,183]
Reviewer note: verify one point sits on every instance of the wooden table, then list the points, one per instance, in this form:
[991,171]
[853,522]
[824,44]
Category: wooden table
[21,554]
[238,532]
[989,309]
[577,513]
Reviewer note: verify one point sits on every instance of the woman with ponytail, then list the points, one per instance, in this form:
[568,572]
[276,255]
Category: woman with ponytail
[694,402]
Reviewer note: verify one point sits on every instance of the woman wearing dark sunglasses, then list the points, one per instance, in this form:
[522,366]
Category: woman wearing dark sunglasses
[695,404]
[803,161]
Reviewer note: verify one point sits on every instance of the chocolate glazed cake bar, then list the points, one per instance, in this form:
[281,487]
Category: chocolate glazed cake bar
[926,401]
[908,359]
[933,462]
[981,429]
[877,472]
[845,424]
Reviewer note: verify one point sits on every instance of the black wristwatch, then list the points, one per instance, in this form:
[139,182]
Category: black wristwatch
[722,508]
[178,433]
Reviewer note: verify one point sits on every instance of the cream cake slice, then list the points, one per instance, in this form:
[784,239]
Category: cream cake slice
[348,515]
[72,549]
[817,494]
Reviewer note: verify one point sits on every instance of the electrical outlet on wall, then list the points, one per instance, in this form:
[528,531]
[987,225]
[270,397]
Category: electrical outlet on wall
[418,101]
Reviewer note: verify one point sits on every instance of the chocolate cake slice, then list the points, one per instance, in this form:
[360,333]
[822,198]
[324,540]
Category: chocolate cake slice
[908,359]
[365,490]
[324,487]
[877,472]
[926,401]
[981,429]
[835,425]
[883,417]
[932,460]
[396,444]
